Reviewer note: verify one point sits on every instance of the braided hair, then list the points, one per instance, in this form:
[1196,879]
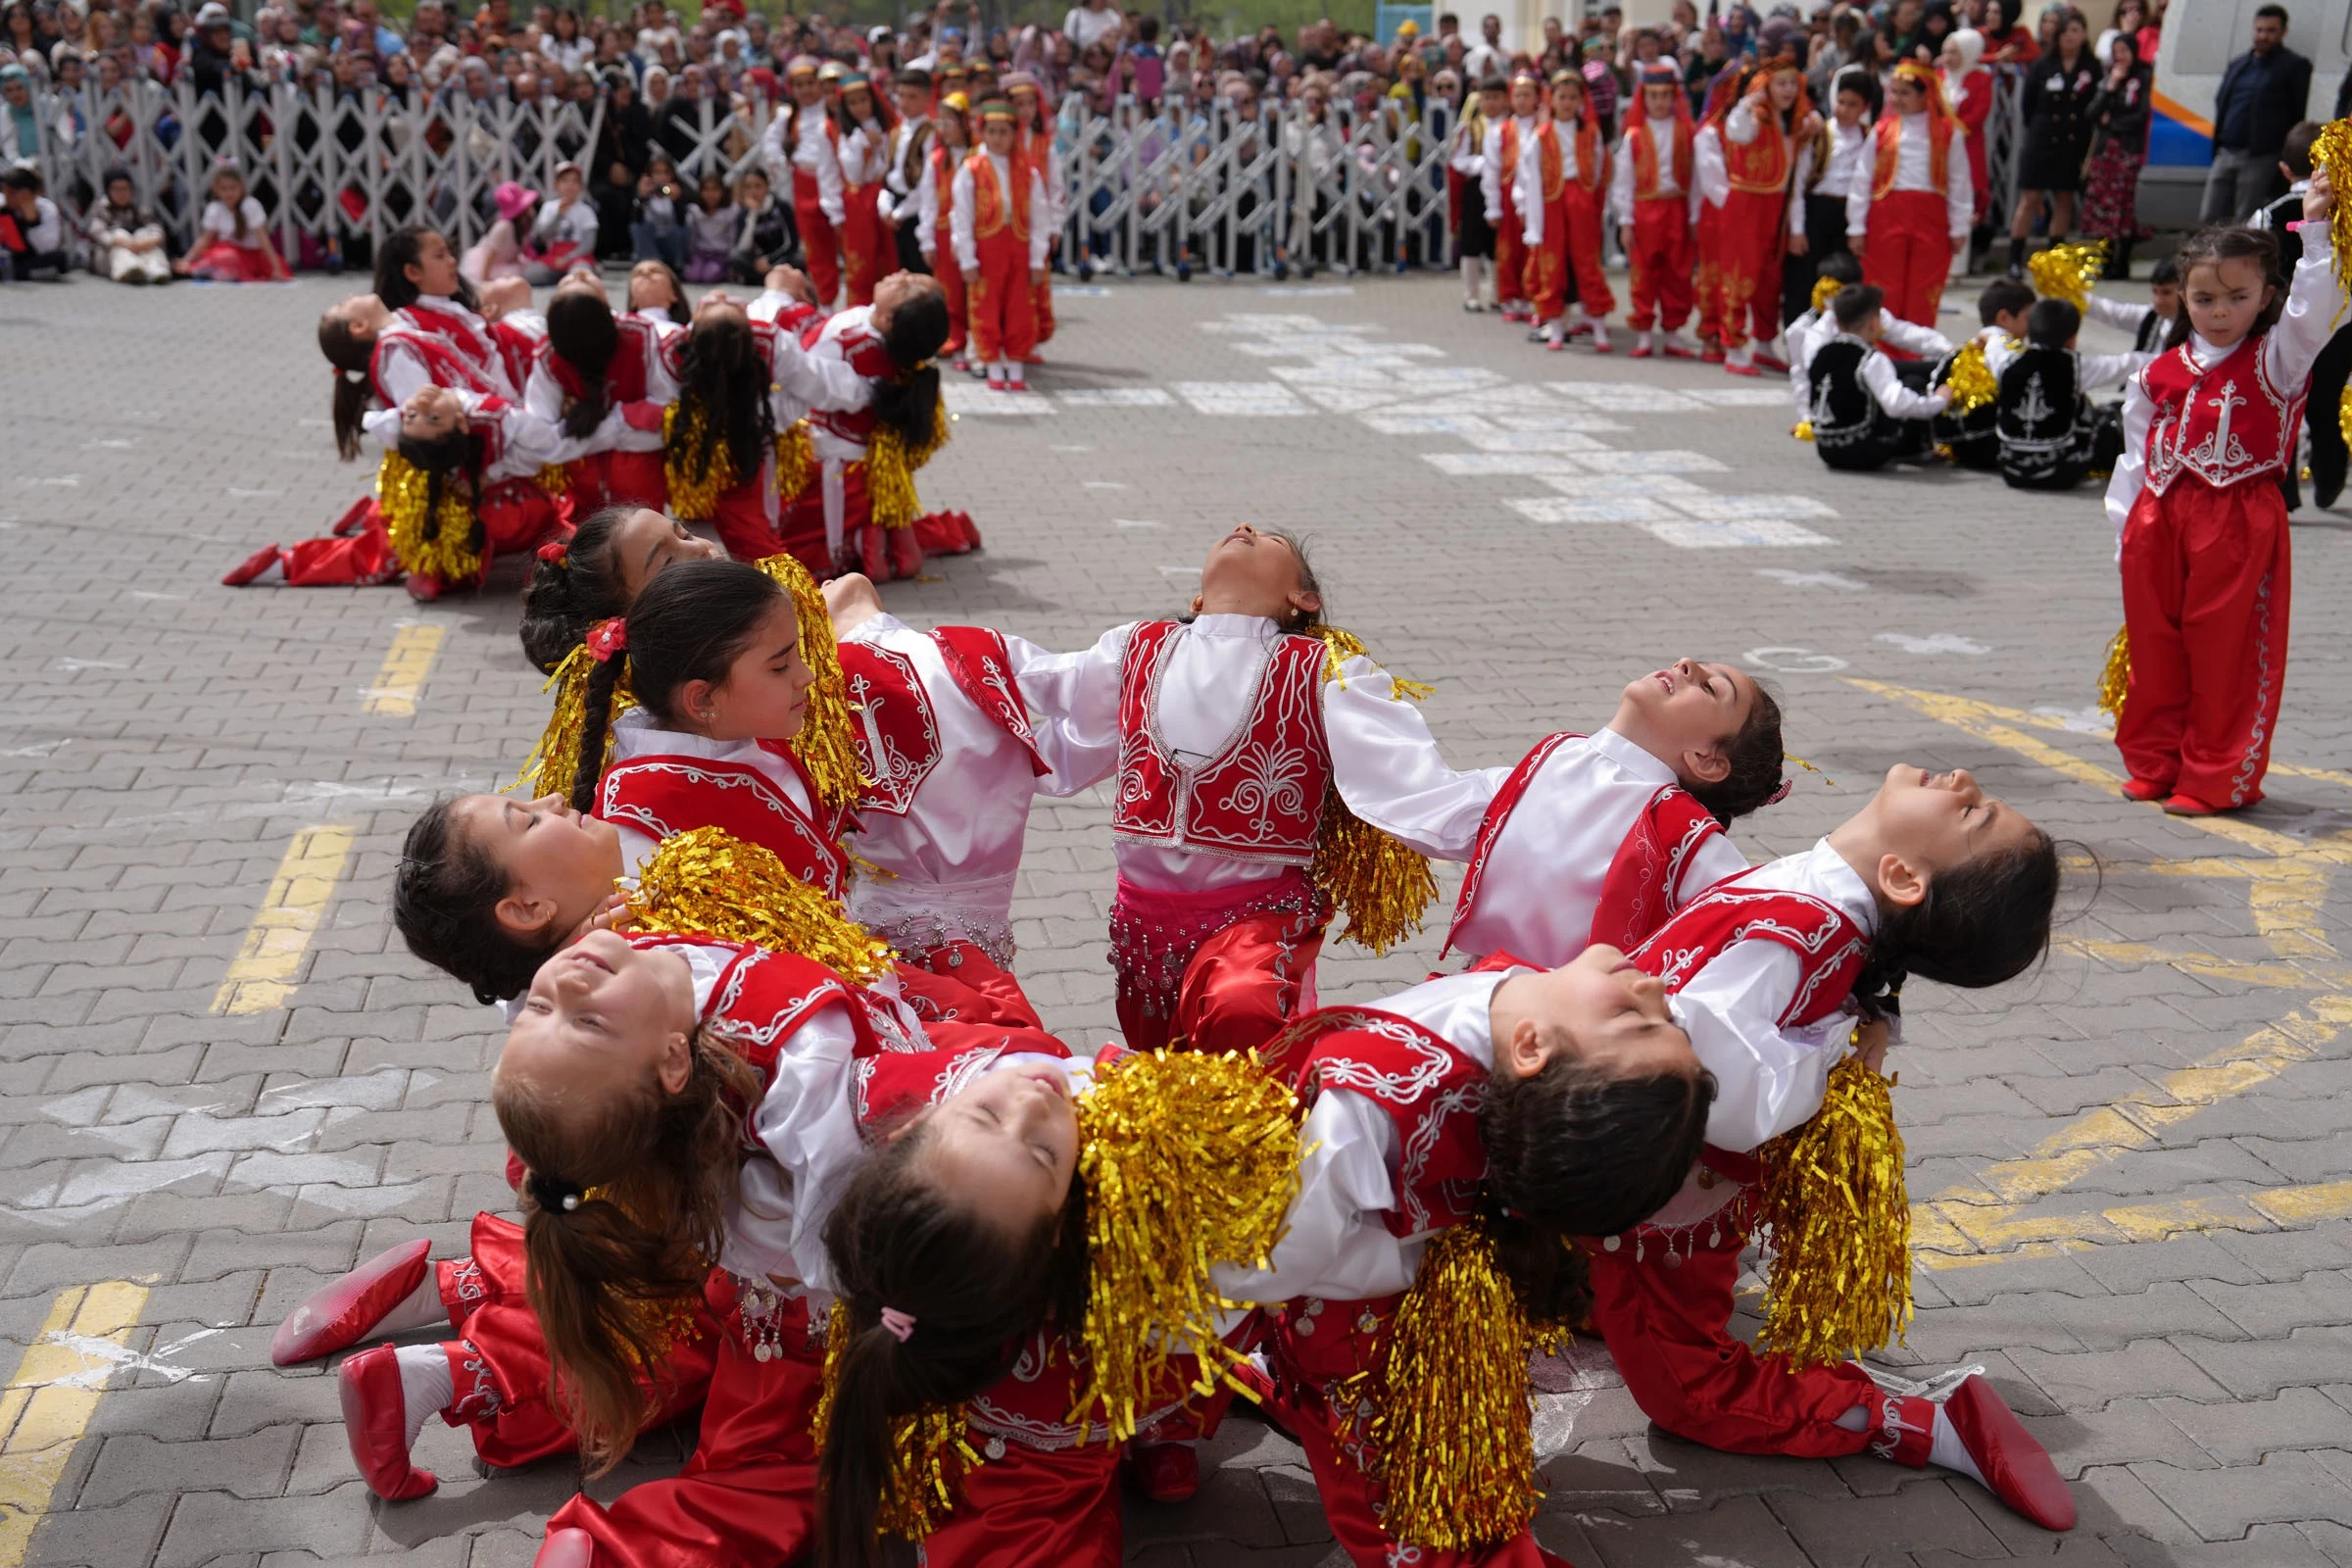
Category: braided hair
[562,599]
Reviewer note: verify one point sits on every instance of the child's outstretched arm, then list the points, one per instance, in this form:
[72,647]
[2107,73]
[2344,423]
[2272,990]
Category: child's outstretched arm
[2315,301]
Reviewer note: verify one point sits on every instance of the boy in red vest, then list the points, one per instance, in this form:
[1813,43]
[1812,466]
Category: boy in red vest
[1499,180]
[1001,237]
[1561,178]
[1651,198]
[1921,201]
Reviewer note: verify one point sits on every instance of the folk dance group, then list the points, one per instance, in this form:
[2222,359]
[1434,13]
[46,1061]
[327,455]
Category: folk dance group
[789,1142]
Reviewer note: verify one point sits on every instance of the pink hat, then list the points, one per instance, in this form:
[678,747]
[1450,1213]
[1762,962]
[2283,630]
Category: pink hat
[512,200]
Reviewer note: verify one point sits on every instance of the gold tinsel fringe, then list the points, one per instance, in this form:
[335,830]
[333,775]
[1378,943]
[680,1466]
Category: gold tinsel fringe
[1189,1160]
[1382,886]
[1825,289]
[2115,674]
[1803,431]
[556,760]
[2068,271]
[1970,380]
[2344,415]
[682,434]
[826,745]
[1840,1220]
[704,882]
[929,1450]
[1451,1401]
[553,477]
[797,467]
[2333,151]
[890,464]
[453,555]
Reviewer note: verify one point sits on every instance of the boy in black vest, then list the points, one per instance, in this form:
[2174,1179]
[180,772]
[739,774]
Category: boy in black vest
[1974,442]
[2051,434]
[1863,416]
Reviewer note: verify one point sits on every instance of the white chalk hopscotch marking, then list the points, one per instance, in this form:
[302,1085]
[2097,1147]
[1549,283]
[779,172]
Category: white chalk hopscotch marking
[967,397]
[1117,397]
[1242,400]
[1943,642]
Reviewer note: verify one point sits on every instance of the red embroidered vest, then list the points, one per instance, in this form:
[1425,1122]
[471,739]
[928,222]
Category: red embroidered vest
[992,212]
[1587,159]
[943,184]
[1762,166]
[1638,894]
[898,729]
[1828,944]
[1259,799]
[1510,164]
[1646,158]
[2226,425]
[663,795]
[624,376]
[860,349]
[1888,155]
[443,363]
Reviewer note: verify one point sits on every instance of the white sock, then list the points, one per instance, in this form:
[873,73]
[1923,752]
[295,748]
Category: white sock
[426,1385]
[422,1308]
[1600,335]
[1644,341]
[1553,329]
[1946,1449]
[1470,279]
[1016,376]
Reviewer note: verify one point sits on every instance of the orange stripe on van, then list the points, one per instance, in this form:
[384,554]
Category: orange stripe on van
[2173,109]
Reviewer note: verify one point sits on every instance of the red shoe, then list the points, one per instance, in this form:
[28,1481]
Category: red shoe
[2178,805]
[2140,789]
[375,1423]
[1167,1472]
[340,1314]
[354,519]
[1771,362]
[1642,351]
[1680,351]
[1557,345]
[1710,354]
[424,590]
[567,1548]
[2012,1465]
[252,566]
[971,530]
[869,553]
[1741,369]
[906,554]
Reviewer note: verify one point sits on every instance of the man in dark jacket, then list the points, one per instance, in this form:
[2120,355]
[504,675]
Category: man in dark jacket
[2260,100]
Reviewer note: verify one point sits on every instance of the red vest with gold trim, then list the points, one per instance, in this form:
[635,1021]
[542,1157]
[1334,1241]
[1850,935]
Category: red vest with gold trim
[2226,425]
[993,213]
[624,376]
[1589,160]
[1827,942]
[1510,166]
[1259,799]
[663,795]
[1645,158]
[1762,166]
[1889,135]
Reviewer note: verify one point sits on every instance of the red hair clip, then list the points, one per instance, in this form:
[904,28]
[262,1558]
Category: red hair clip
[556,552]
[607,638]
[1782,792]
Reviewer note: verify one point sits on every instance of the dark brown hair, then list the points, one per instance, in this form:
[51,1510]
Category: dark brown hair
[1756,759]
[2213,246]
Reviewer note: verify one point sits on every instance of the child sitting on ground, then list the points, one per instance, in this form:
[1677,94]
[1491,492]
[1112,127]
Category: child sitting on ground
[1863,416]
[2051,435]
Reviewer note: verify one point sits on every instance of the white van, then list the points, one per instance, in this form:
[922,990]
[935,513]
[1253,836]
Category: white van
[2200,39]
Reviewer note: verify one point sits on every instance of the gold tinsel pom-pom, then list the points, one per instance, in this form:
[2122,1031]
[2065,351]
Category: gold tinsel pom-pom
[1840,1218]
[1450,1394]
[826,743]
[1381,885]
[1803,431]
[2333,151]
[929,1450]
[682,434]
[556,760]
[797,467]
[1970,380]
[702,882]
[2115,677]
[1825,289]
[1189,1160]
[452,554]
[890,464]
[2068,271]
[2343,414]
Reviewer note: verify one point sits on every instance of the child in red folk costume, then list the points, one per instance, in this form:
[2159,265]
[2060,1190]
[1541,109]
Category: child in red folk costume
[1562,180]
[600,377]
[801,144]
[1653,200]
[1772,118]
[1600,838]
[1931,878]
[1921,201]
[2206,564]
[1002,223]
[234,234]
[1508,141]
[935,212]
[876,420]
[863,124]
[1032,141]
[1263,766]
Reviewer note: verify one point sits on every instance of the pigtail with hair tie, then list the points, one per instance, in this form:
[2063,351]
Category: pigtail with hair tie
[553,1195]
[592,690]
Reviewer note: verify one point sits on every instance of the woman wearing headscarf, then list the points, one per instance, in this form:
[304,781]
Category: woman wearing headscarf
[1968,88]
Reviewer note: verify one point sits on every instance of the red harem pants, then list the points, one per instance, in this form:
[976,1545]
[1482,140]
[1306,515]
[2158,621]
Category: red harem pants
[1043,306]
[1748,265]
[1571,247]
[1908,252]
[1216,966]
[2207,583]
[1707,287]
[618,479]
[951,283]
[818,243]
[1338,1342]
[749,1494]
[1661,262]
[868,252]
[501,1364]
[961,984]
[516,514]
[355,555]
[1002,301]
[1510,253]
[1667,1325]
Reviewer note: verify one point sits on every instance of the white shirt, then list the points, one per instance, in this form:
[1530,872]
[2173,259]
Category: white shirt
[219,221]
[926,200]
[812,153]
[574,226]
[1913,170]
[1386,763]
[1809,332]
[1621,177]
[637,733]
[526,443]
[1085,28]
[1490,175]
[1853,161]
[962,224]
[865,154]
[2314,299]
[1542,880]
[1709,171]
[544,396]
[1336,1244]
[1769,1079]
[1529,188]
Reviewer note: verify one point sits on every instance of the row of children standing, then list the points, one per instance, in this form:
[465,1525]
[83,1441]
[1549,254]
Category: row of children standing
[791,1143]
[1720,218]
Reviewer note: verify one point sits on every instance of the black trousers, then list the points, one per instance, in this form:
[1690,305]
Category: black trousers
[1891,441]
[2329,374]
[1825,235]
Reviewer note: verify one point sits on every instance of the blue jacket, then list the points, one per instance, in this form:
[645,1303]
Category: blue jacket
[2260,100]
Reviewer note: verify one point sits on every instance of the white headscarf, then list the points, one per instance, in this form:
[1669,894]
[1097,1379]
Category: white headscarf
[1971,44]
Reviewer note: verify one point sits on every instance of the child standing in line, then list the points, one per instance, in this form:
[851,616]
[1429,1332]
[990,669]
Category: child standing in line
[1561,183]
[2204,553]
[1465,171]
[1508,141]
[1002,233]
[1654,201]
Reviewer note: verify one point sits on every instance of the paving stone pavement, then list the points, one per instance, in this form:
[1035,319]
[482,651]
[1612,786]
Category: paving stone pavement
[2133,1164]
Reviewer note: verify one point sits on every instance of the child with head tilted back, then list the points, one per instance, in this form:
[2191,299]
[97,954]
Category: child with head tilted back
[1600,838]
[1518,1106]
[1933,879]
[2209,429]
[600,378]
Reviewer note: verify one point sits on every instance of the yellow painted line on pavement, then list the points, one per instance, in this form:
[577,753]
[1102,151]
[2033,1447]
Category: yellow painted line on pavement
[406,664]
[2284,1208]
[261,976]
[48,1403]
